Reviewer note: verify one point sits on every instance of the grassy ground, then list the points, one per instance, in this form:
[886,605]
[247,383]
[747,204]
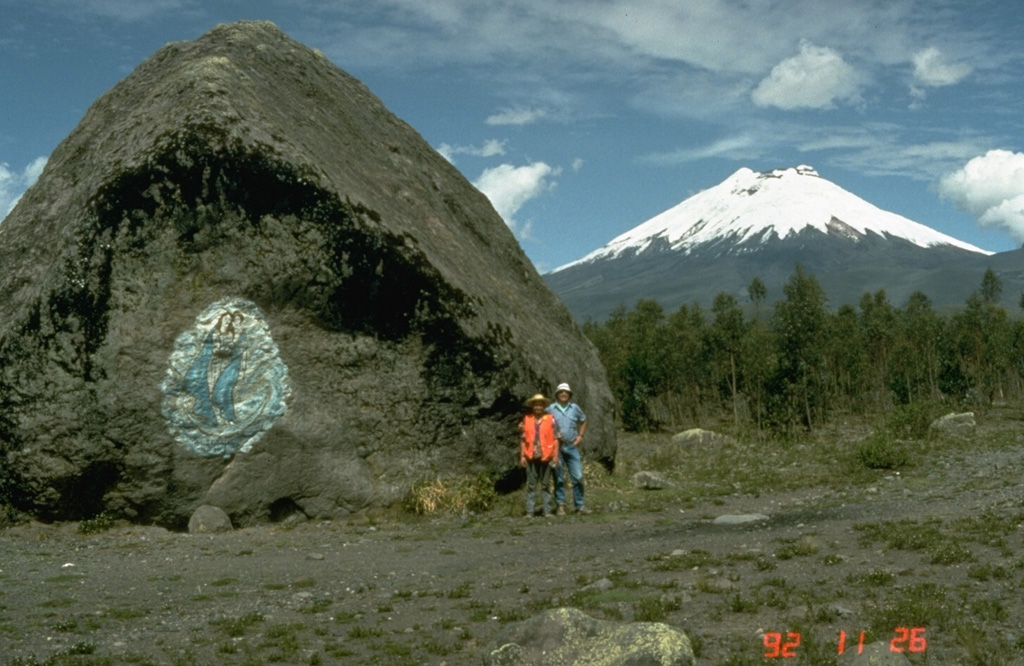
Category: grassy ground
[916,543]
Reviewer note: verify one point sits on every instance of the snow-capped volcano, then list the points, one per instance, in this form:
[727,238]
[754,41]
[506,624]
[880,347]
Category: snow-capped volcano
[761,225]
[750,208]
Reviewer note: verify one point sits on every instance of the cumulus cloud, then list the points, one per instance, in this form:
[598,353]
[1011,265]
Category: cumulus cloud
[490,148]
[510,187]
[991,188]
[814,79]
[516,116]
[932,69]
[13,184]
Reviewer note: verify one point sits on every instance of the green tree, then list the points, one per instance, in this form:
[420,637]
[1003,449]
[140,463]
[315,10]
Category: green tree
[799,324]
[847,358]
[756,291]
[982,339]
[917,353]
[991,288]
[878,322]
[726,342]
[643,372]
[757,365]
[688,364]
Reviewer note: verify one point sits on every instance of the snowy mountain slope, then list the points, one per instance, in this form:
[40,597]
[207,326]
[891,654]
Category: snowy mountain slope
[749,208]
[763,224]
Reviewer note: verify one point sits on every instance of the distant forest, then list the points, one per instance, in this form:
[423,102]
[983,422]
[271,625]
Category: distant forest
[800,365]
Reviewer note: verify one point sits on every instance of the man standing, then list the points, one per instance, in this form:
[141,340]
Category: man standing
[572,423]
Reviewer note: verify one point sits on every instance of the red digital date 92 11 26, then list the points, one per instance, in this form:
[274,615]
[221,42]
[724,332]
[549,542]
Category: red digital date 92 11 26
[905,639]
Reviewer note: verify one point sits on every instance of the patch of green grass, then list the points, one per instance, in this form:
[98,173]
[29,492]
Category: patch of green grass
[988,528]
[875,577]
[319,605]
[236,627]
[359,632]
[684,561]
[438,647]
[65,578]
[125,613]
[303,583]
[987,571]
[738,604]
[902,535]
[951,552]
[221,582]
[989,610]
[462,591]
[98,523]
[918,605]
[802,547]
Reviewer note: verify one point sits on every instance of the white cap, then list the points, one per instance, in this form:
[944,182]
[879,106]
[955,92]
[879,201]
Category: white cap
[563,387]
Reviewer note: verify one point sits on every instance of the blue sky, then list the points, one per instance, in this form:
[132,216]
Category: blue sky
[583,118]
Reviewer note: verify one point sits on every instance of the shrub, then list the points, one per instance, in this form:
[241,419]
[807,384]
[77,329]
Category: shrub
[880,452]
[913,421]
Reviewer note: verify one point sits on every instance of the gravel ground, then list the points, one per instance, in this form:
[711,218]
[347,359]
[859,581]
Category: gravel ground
[392,589]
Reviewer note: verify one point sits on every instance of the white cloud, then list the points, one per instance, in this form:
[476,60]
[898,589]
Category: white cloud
[815,79]
[490,148]
[742,147]
[991,188]
[516,116]
[931,69]
[13,184]
[510,187]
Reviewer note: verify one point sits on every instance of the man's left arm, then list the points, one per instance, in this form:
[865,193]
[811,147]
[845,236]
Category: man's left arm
[583,427]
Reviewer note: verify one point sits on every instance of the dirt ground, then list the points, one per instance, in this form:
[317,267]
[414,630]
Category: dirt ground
[396,589]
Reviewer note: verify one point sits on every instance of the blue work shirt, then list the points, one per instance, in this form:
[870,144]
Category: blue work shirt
[569,420]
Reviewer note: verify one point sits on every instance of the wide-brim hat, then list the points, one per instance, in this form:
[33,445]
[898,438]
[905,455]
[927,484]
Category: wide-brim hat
[563,387]
[538,397]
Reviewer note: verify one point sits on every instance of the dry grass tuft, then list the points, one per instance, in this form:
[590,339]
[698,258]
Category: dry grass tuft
[457,495]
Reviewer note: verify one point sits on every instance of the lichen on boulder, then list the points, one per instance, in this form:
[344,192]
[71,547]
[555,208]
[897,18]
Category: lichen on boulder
[569,636]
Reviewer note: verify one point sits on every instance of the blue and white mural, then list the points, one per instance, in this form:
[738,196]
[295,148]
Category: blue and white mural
[226,384]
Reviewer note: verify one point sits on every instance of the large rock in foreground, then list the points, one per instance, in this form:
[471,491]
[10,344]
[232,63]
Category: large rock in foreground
[569,636]
[242,282]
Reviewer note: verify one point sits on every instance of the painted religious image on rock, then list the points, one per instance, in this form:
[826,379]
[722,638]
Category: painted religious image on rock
[226,384]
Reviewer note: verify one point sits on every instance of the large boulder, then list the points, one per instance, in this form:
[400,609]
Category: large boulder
[569,636]
[242,282]
[955,424]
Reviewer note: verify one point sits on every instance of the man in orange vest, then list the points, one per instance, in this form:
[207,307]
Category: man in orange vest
[538,453]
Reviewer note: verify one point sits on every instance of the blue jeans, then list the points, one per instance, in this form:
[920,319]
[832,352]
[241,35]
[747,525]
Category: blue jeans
[569,456]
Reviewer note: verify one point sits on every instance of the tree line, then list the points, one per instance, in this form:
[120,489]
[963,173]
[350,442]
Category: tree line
[801,364]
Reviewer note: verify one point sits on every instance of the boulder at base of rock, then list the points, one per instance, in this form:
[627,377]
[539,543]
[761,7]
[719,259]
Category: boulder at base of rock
[700,437]
[650,481]
[958,425]
[568,636]
[242,281]
[209,520]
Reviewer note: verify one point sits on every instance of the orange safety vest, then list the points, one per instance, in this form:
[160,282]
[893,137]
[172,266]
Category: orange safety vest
[548,440]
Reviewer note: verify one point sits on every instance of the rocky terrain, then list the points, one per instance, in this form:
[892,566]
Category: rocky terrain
[932,548]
